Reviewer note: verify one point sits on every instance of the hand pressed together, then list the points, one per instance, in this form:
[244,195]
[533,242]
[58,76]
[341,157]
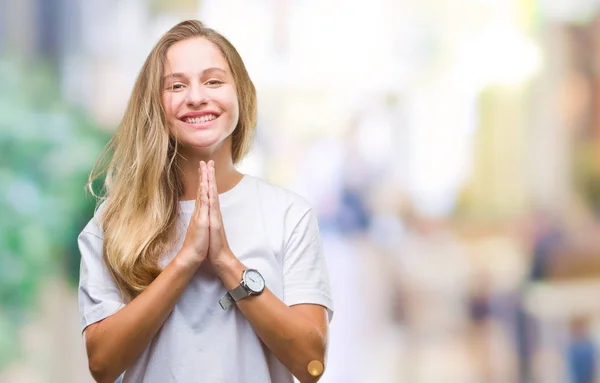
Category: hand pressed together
[205,237]
[218,249]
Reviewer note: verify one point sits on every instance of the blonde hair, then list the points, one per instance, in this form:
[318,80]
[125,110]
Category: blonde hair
[143,182]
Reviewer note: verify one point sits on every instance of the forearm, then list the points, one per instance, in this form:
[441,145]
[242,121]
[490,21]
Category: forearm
[116,342]
[292,338]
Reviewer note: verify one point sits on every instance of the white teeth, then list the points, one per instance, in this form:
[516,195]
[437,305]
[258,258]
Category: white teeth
[199,120]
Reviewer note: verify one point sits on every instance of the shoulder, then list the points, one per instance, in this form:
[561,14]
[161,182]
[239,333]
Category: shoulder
[93,227]
[280,197]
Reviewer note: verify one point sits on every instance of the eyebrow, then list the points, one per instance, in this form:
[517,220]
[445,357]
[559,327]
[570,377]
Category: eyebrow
[205,71]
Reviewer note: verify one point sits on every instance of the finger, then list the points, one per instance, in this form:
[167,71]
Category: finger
[198,190]
[213,192]
[204,202]
[216,221]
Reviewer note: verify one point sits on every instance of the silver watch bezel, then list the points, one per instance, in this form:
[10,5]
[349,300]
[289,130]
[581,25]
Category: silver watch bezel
[247,286]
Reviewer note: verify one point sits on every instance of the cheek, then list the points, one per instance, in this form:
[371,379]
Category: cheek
[170,103]
[167,103]
[234,114]
[234,106]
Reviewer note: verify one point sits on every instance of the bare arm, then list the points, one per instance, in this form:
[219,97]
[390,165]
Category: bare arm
[296,335]
[114,343]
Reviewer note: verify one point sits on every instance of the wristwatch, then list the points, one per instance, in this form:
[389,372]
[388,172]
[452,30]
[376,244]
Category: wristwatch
[252,284]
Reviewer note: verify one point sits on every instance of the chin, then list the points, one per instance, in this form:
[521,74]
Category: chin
[203,143]
[202,139]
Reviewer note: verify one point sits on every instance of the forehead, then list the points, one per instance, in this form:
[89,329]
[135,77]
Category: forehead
[192,56]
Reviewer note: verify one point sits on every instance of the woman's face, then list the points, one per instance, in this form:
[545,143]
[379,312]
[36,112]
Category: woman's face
[199,95]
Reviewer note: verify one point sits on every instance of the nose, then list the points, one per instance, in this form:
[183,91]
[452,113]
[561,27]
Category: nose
[196,96]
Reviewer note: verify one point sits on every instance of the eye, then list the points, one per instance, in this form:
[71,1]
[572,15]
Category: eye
[214,82]
[175,86]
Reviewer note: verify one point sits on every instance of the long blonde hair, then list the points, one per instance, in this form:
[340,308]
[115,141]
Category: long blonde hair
[143,182]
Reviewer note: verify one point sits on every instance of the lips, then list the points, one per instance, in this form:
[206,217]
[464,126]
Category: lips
[200,117]
[200,120]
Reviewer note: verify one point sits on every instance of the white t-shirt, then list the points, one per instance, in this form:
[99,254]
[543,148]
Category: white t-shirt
[269,229]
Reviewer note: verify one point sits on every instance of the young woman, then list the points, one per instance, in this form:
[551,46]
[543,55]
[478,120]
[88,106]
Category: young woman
[190,270]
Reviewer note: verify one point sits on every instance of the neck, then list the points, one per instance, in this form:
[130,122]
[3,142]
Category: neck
[225,172]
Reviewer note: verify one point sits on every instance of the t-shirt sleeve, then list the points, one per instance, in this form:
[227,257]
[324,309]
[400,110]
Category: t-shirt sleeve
[99,296]
[305,276]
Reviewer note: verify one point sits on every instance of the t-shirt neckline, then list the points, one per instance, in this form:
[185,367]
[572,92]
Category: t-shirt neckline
[225,199]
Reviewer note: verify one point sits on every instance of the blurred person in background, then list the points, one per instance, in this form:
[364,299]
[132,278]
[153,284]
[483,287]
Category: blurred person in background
[581,352]
[160,295]
[546,237]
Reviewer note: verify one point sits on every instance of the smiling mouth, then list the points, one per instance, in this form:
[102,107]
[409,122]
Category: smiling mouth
[200,120]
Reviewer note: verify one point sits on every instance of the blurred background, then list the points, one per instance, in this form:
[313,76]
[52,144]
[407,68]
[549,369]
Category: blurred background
[451,149]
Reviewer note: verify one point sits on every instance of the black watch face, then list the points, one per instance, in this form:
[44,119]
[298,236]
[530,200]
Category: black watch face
[254,281]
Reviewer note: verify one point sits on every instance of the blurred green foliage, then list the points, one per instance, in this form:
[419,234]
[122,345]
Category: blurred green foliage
[47,149]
